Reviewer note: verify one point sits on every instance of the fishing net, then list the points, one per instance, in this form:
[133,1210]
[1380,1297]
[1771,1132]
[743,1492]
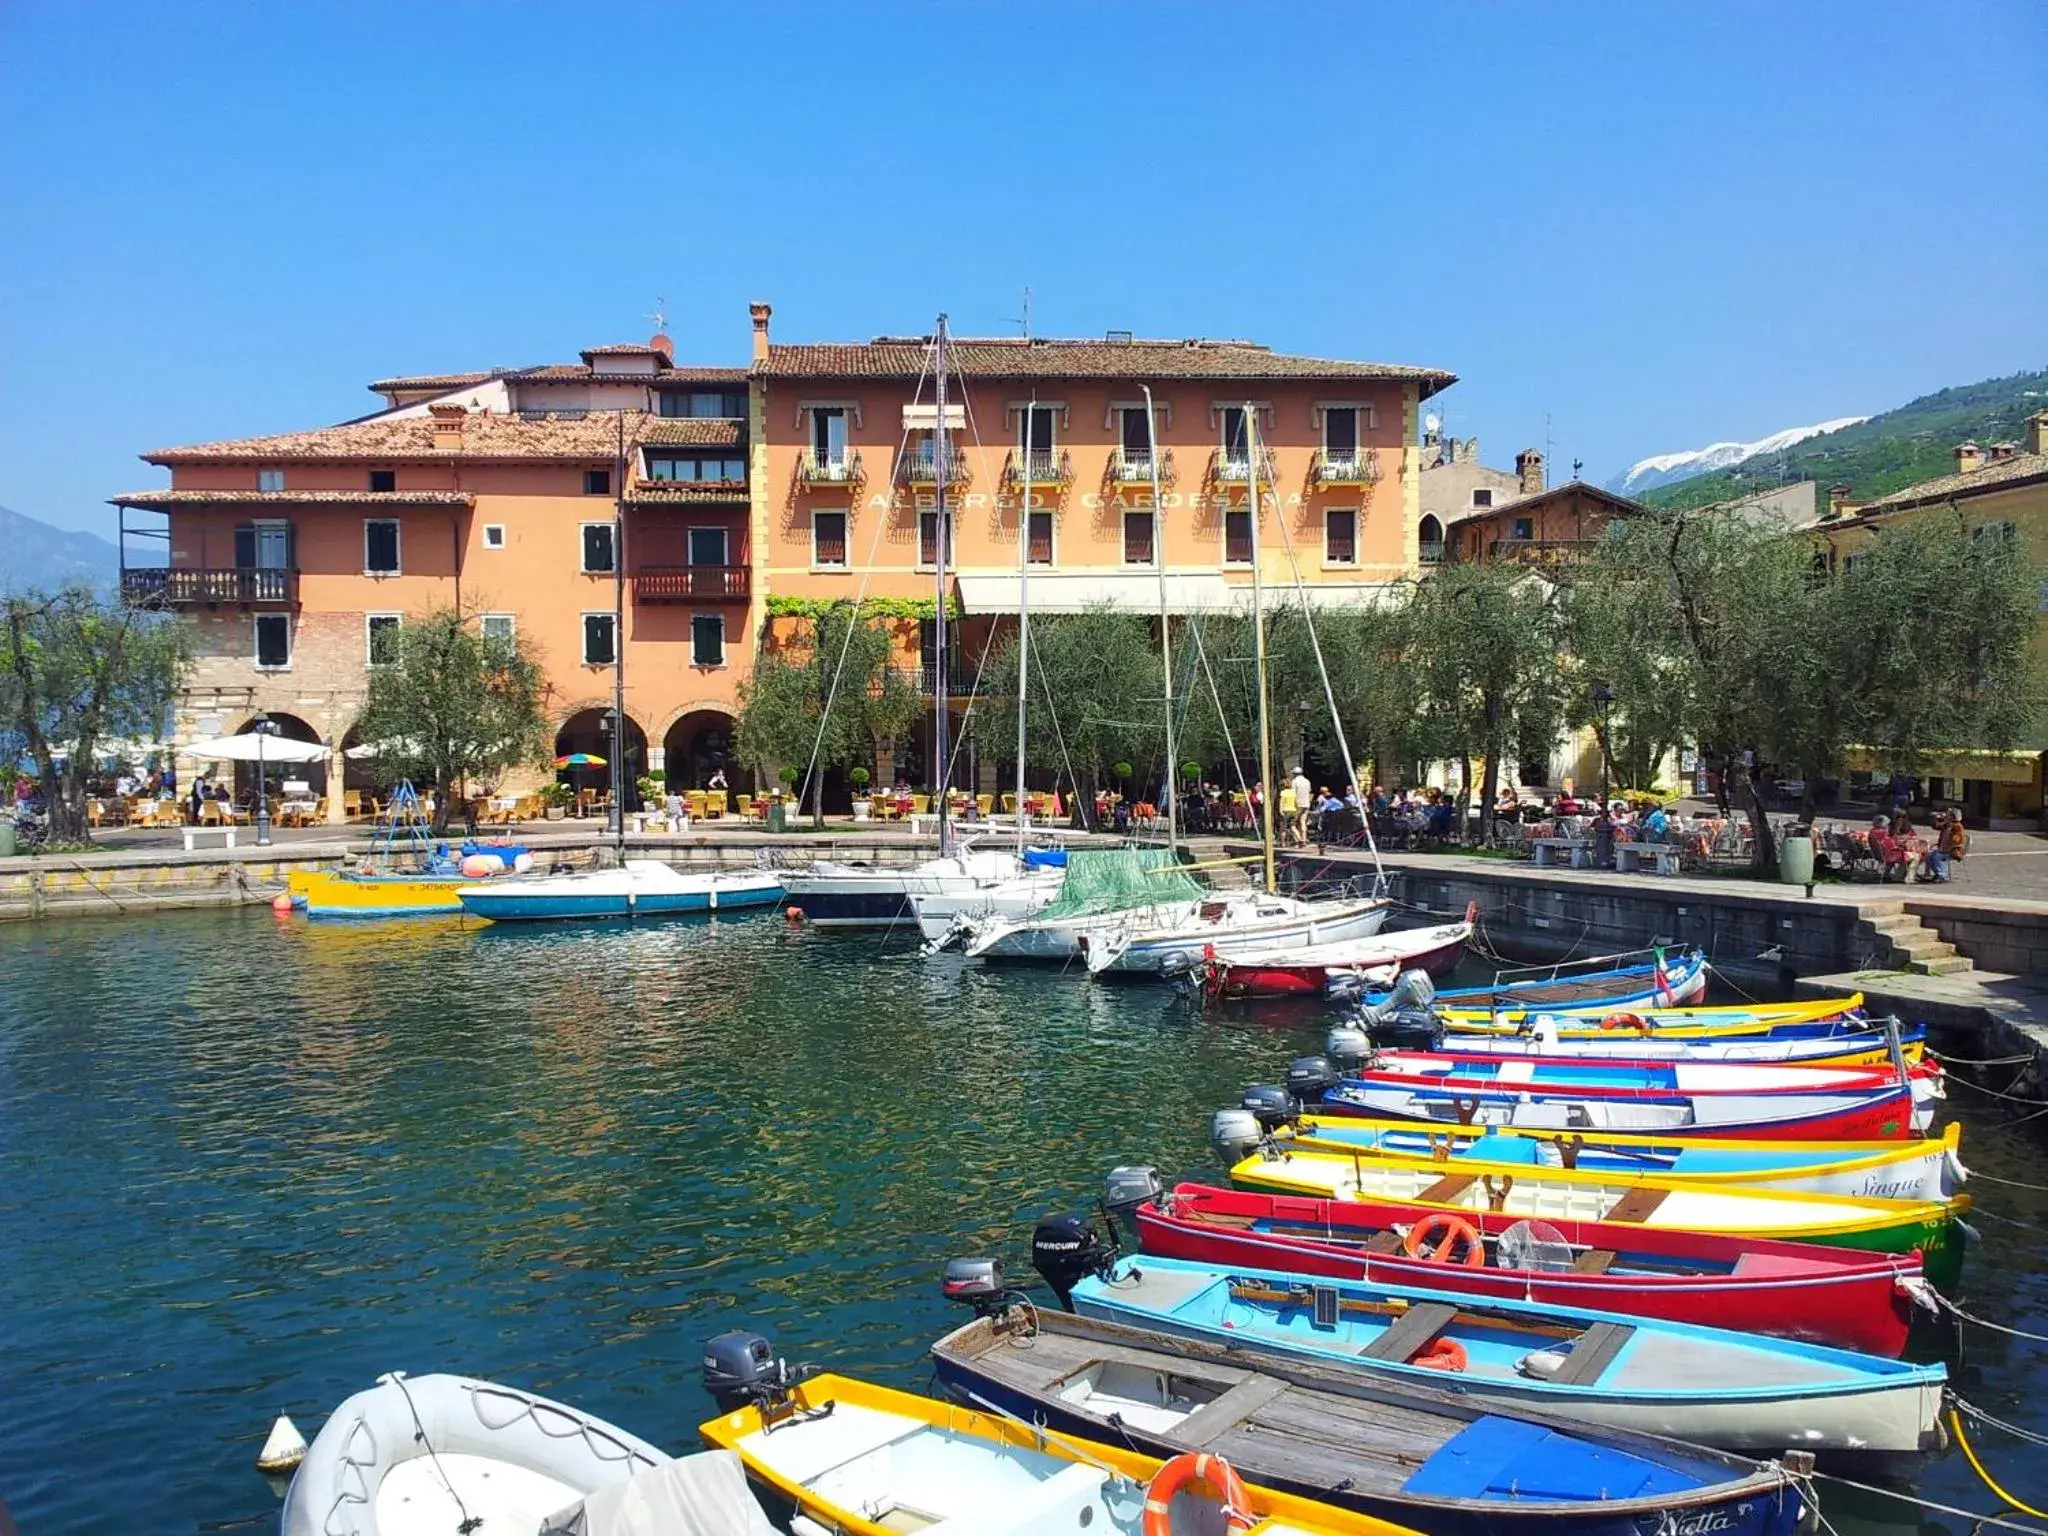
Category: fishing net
[1111,879]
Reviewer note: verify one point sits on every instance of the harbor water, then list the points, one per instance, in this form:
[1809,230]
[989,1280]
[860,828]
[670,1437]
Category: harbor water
[252,1163]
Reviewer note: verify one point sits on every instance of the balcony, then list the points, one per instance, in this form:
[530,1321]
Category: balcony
[1129,466]
[1234,467]
[1539,551]
[1345,466]
[1043,466]
[818,469]
[692,584]
[1431,554]
[960,675]
[158,586]
[919,466]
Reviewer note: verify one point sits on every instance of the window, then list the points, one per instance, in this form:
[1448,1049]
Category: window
[707,640]
[377,629]
[928,538]
[723,404]
[694,468]
[273,640]
[707,546]
[383,479]
[1430,536]
[828,538]
[1236,435]
[1136,437]
[1995,534]
[269,479]
[380,546]
[1340,536]
[1040,535]
[600,640]
[1237,537]
[1524,529]
[1138,540]
[1851,561]
[494,535]
[828,434]
[263,546]
[597,482]
[1340,433]
[1482,498]
[599,557]
[1035,431]
[499,626]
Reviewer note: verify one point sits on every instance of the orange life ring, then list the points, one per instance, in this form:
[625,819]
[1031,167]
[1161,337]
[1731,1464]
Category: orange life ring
[1213,1473]
[1440,1355]
[1431,1238]
[1634,1021]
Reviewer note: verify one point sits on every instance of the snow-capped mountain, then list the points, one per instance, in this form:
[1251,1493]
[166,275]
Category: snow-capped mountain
[1663,468]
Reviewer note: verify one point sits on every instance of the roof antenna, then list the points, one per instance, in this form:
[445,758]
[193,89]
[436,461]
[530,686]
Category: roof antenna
[1024,319]
[659,315]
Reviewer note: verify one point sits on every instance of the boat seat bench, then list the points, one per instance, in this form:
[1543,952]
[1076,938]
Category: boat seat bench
[1594,1261]
[1227,1411]
[1416,1327]
[1637,1205]
[1593,1353]
[1447,1189]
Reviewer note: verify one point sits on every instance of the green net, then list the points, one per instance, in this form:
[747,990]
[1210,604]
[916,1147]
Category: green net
[1110,879]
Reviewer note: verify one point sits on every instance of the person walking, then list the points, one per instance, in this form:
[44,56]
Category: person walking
[1304,801]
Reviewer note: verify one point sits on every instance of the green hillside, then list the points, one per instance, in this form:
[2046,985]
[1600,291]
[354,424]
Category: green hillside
[1898,448]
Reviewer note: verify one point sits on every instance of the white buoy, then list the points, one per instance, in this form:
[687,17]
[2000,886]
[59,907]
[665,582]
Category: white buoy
[285,1448]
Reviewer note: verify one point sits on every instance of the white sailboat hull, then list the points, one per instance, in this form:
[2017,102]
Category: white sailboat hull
[938,911]
[1273,922]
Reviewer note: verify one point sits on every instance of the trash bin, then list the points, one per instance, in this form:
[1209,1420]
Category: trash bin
[777,816]
[6,837]
[1795,858]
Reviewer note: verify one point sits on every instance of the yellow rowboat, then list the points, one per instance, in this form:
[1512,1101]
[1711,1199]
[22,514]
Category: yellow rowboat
[1928,1169]
[1589,1022]
[327,894]
[1564,1195]
[869,1461]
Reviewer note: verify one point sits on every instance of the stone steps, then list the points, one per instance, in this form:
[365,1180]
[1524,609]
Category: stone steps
[1902,942]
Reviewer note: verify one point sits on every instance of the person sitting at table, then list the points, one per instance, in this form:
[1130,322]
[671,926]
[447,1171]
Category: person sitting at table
[1894,852]
[1656,826]
[717,779]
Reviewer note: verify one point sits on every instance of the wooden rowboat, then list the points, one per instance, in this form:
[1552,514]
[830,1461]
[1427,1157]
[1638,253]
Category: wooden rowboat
[1664,981]
[1866,1047]
[1816,1016]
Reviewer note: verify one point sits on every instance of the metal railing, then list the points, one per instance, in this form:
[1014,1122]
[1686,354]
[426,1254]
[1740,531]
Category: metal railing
[1230,467]
[1128,466]
[1048,467]
[816,469]
[924,677]
[1346,466]
[919,465]
[1432,554]
[1539,551]
[177,585]
[691,583]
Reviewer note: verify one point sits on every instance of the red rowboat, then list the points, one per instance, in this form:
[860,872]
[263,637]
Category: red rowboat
[1799,1290]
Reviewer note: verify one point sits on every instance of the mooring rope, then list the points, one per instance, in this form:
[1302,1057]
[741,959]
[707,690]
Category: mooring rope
[1945,1509]
[1985,1322]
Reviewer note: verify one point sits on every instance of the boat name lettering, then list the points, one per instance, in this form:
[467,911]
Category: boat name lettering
[1699,1523]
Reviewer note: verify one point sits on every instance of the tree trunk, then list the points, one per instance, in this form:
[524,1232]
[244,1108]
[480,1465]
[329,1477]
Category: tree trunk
[818,799]
[1489,791]
[444,802]
[1764,855]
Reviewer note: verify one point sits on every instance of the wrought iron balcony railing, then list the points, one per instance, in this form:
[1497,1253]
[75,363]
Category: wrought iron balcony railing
[1129,466]
[919,465]
[1539,551]
[960,675]
[692,583]
[1047,466]
[175,586]
[1432,554]
[1346,466]
[827,469]
[1231,467]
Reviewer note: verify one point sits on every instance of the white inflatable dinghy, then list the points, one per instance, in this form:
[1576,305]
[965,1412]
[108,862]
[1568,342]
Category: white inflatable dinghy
[426,1455]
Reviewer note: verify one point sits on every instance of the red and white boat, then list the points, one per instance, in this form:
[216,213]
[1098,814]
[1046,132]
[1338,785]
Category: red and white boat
[1831,1295]
[1306,970]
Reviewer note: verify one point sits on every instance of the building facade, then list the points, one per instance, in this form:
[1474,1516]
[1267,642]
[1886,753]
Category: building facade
[1456,484]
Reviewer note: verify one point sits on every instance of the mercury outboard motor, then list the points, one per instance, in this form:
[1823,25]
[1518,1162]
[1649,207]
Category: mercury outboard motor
[1129,1186]
[1347,1047]
[976,1283]
[1235,1134]
[1271,1107]
[1309,1078]
[741,1371]
[1408,1015]
[1067,1249]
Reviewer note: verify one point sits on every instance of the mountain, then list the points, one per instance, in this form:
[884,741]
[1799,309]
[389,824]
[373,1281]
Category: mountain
[34,554]
[1664,468]
[1882,453]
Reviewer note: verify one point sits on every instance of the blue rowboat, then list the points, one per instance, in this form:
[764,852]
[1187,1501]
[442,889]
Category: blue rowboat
[637,888]
[1734,1390]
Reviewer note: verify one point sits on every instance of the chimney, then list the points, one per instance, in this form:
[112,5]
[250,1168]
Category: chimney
[2037,432]
[1529,470]
[447,425]
[1838,500]
[2000,452]
[1968,457]
[760,313]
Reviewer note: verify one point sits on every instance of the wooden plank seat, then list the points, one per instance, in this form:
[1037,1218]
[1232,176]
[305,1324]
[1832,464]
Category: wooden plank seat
[1447,1189]
[1229,1410]
[1637,1205]
[1421,1323]
[1593,1353]
[1594,1261]
[1382,1242]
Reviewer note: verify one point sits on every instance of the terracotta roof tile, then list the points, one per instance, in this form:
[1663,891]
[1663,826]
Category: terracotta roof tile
[906,358]
[589,438]
[417,381]
[166,499]
[693,432]
[576,373]
[1997,475]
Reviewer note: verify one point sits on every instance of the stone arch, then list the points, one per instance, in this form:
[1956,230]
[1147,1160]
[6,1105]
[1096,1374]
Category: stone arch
[1430,532]
[698,742]
[584,730]
[293,728]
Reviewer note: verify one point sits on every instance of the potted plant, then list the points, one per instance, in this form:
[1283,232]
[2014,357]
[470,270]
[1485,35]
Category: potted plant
[863,807]
[1191,771]
[788,774]
[554,799]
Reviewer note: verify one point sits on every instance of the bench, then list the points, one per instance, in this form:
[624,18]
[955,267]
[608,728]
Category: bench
[1592,1353]
[1629,858]
[227,833]
[1420,1324]
[1574,852]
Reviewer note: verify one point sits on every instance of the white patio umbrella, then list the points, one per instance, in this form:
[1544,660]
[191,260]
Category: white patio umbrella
[250,747]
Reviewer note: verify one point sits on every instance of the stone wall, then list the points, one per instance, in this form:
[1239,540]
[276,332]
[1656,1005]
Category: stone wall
[1998,936]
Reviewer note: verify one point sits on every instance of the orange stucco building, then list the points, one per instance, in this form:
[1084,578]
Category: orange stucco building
[627,508]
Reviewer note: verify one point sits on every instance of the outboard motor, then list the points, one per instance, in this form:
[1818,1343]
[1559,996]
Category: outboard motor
[1065,1250]
[1309,1078]
[741,1371]
[1271,1107]
[1129,1186]
[976,1283]
[1348,1048]
[1407,1016]
[1235,1134]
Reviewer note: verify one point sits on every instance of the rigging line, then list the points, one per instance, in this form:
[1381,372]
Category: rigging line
[469,1522]
[1060,736]
[1215,698]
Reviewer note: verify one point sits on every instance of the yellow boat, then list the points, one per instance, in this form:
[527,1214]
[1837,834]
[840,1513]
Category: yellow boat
[329,893]
[869,1461]
[1706,1022]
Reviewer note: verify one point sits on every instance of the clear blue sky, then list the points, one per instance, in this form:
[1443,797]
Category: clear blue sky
[1656,224]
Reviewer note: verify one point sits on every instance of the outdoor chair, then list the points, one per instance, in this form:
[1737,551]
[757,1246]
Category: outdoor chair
[695,801]
[920,805]
[984,805]
[352,804]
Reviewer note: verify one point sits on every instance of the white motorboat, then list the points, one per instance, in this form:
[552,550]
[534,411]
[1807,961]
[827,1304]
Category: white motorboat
[854,895]
[421,1455]
[1227,928]
[943,913]
[637,888]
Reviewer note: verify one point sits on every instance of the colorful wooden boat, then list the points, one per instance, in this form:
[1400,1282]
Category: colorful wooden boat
[863,1460]
[637,888]
[388,890]
[1710,1385]
[1663,981]
[1867,1047]
[1647,1200]
[1404,1452]
[1816,1016]
[1310,970]
[1925,1169]
[1831,1295]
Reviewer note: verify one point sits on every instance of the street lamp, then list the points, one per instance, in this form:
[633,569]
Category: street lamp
[1603,695]
[263,727]
[610,722]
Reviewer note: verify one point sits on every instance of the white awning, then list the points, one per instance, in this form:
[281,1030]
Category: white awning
[923,418]
[250,747]
[1074,591]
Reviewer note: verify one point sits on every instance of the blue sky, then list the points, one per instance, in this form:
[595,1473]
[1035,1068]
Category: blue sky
[1629,228]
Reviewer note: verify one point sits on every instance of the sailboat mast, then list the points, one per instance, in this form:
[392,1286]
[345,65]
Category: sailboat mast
[1024,612]
[940,470]
[1165,640]
[1251,444]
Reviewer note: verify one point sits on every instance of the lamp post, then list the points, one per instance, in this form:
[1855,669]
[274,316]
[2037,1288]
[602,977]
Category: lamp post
[263,727]
[1603,695]
[613,821]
